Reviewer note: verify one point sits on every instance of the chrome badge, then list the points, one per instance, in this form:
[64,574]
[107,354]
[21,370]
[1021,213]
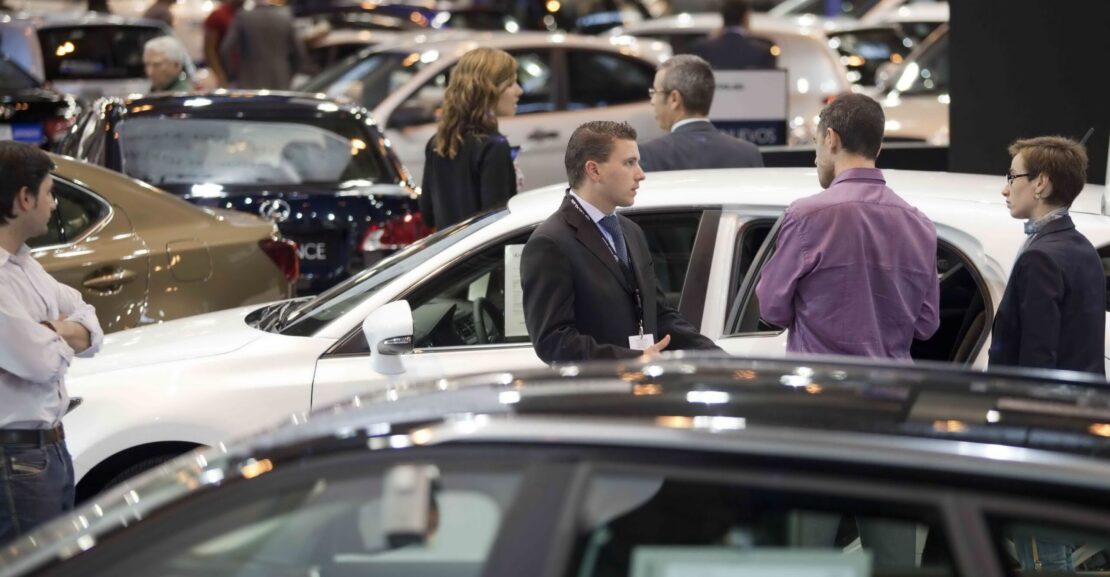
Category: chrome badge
[276,210]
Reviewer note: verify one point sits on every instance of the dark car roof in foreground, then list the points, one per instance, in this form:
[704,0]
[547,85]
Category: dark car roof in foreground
[928,418]
[236,102]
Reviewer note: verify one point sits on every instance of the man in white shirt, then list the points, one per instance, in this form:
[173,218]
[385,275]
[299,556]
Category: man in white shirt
[43,324]
[680,97]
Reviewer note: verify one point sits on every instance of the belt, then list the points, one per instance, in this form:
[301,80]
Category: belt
[31,436]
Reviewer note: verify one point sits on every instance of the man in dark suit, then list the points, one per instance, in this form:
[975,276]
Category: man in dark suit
[1052,314]
[681,96]
[733,49]
[589,282]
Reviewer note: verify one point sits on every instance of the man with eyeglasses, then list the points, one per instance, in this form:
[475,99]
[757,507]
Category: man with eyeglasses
[680,97]
[1052,314]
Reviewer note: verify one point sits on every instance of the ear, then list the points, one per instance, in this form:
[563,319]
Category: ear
[593,170]
[832,140]
[25,199]
[1042,186]
[675,100]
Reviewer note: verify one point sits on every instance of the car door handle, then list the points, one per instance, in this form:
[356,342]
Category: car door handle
[109,280]
[540,134]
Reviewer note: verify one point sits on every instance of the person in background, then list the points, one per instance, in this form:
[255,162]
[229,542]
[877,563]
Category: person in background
[43,325]
[732,48]
[269,50]
[1051,315]
[216,26]
[681,97]
[468,165]
[167,65]
[160,10]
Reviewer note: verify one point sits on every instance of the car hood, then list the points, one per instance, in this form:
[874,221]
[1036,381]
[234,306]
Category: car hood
[195,337]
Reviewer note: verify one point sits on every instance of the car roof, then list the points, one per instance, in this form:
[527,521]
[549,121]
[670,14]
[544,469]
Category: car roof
[456,41]
[707,21]
[66,19]
[780,186]
[245,102]
[919,12]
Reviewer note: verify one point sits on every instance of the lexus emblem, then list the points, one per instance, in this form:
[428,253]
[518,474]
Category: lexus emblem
[275,209]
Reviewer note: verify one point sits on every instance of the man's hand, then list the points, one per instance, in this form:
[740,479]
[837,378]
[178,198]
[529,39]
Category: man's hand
[654,350]
[74,334]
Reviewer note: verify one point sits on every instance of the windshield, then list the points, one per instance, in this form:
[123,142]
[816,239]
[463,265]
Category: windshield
[864,51]
[167,151]
[14,79]
[95,52]
[928,74]
[338,300]
[367,82]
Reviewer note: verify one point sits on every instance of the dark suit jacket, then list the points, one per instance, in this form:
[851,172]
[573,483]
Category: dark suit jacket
[698,145]
[579,304]
[1052,314]
[735,51]
[481,177]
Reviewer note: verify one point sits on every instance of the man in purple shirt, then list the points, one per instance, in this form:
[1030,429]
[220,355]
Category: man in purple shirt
[854,272]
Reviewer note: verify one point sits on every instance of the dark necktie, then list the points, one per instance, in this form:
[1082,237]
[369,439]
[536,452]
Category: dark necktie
[611,226]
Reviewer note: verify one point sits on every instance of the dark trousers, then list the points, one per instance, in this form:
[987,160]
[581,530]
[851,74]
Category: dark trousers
[36,485]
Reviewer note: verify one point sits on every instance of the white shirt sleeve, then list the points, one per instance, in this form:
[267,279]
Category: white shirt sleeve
[73,308]
[32,351]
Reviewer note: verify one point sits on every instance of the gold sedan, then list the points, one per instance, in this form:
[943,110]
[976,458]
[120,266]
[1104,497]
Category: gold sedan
[140,255]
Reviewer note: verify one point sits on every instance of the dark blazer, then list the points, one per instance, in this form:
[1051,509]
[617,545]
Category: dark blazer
[578,302]
[732,50]
[698,145]
[481,177]
[1053,312]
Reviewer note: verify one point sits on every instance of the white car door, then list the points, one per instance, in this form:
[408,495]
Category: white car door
[467,317]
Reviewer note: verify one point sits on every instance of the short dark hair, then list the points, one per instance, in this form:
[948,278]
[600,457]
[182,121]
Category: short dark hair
[1062,159]
[593,141]
[693,78]
[20,165]
[734,12]
[859,121]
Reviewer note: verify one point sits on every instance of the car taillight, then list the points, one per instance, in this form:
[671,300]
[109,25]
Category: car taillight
[284,254]
[56,128]
[394,233]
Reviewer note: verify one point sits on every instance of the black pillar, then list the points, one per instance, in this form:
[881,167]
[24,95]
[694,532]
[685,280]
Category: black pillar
[1023,68]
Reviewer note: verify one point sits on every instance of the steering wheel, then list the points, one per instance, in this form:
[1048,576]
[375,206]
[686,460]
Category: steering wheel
[483,307]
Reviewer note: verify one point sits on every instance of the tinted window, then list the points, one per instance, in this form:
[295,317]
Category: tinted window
[76,213]
[95,52]
[225,151]
[1043,546]
[643,524]
[368,81]
[13,78]
[599,79]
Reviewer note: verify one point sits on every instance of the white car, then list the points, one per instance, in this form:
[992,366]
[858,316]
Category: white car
[916,106]
[814,70]
[155,391]
[567,80]
[89,55]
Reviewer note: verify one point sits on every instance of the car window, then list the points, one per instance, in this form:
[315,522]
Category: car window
[13,78]
[369,81]
[415,518]
[864,51]
[928,74]
[95,52]
[167,151]
[534,75]
[637,524]
[599,79]
[1028,546]
[76,213]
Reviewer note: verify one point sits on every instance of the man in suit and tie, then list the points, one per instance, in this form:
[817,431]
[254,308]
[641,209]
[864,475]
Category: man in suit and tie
[732,48]
[589,282]
[681,96]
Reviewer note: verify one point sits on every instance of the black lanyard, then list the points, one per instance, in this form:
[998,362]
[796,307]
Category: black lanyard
[637,299]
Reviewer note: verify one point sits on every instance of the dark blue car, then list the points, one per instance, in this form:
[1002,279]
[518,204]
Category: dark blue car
[321,170]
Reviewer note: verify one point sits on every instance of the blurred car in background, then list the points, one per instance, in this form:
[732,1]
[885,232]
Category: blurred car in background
[141,256]
[188,19]
[88,55]
[567,80]
[916,99]
[685,465]
[814,70]
[865,50]
[321,170]
[30,113]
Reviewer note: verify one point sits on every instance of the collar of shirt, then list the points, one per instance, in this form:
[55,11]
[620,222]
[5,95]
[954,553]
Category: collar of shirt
[686,121]
[735,30]
[859,174]
[593,211]
[1034,226]
[5,256]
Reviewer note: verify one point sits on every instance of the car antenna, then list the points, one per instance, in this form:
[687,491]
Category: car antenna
[1090,131]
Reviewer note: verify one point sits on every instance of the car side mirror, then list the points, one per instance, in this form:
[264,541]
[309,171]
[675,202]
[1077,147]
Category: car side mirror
[388,331]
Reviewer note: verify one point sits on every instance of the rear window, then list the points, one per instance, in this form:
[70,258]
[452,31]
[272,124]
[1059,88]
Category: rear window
[13,79]
[168,151]
[95,52]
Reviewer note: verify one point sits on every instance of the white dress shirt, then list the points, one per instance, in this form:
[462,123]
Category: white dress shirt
[33,358]
[595,215]
[686,121]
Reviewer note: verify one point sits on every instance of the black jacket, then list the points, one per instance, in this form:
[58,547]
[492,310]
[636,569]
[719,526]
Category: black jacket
[1053,312]
[735,51]
[481,177]
[579,304]
[698,145]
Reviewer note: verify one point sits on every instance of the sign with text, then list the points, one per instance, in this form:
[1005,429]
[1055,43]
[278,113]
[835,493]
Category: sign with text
[752,105]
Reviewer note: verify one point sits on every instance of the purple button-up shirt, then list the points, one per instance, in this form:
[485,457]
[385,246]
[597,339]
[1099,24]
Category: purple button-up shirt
[854,272]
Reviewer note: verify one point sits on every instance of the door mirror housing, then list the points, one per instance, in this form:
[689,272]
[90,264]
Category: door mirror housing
[388,331]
